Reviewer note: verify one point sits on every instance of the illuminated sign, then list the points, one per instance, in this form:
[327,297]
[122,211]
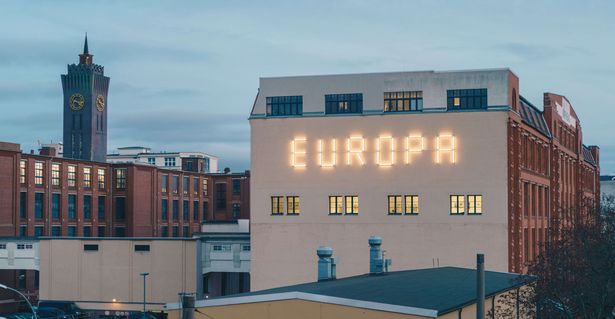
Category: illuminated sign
[387,150]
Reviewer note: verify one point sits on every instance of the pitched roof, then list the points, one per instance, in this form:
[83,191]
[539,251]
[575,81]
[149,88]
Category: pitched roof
[434,290]
[587,156]
[532,116]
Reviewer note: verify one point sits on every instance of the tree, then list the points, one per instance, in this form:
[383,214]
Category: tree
[576,269]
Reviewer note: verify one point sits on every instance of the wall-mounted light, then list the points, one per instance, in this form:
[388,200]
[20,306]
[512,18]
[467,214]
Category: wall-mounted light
[298,152]
[355,146]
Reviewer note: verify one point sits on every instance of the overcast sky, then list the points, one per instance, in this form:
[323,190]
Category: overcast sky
[184,74]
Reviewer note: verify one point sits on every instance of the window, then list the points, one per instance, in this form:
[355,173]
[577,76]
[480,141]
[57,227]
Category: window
[412,204]
[175,231]
[186,231]
[224,247]
[164,231]
[55,174]
[55,206]
[2,246]
[101,178]
[195,185]
[90,247]
[22,171]
[169,161]
[457,204]
[246,247]
[164,183]
[120,208]
[120,176]
[195,210]
[236,186]
[120,231]
[24,246]
[38,231]
[221,196]
[277,205]
[205,186]
[403,101]
[101,231]
[23,230]
[175,184]
[186,210]
[142,248]
[151,160]
[38,173]
[72,175]
[87,231]
[352,205]
[72,204]
[205,210]
[236,210]
[395,204]
[185,184]
[466,99]
[56,231]
[284,105]
[164,209]
[71,231]
[293,204]
[87,206]
[38,205]
[475,204]
[102,200]
[23,205]
[344,103]
[87,177]
[336,205]
[175,209]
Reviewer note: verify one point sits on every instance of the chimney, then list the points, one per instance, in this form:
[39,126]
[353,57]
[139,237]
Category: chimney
[377,263]
[326,263]
[480,286]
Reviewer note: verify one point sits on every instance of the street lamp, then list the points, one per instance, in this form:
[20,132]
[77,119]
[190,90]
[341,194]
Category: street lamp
[22,295]
[144,274]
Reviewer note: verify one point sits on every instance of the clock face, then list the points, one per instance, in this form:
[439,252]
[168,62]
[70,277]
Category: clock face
[76,102]
[100,103]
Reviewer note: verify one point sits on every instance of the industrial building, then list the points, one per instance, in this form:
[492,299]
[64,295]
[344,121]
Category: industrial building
[187,161]
[442,164]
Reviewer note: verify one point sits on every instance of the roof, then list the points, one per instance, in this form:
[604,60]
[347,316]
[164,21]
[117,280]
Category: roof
[588,157]
[434,291]
[532,116]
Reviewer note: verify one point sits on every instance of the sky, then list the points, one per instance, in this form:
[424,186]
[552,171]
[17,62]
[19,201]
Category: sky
[184,74]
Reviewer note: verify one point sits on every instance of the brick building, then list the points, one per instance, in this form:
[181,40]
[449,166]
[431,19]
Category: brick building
[51,196]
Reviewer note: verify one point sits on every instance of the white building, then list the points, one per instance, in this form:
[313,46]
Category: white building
[190,161]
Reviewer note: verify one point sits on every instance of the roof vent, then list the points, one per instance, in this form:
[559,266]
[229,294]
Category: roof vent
[377,263]
[326,263]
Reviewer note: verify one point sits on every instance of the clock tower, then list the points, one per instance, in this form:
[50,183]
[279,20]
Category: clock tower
[85,89]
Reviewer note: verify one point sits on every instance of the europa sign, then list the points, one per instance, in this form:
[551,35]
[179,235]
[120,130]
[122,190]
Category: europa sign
[384,150]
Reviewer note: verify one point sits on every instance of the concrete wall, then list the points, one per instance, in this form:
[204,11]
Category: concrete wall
[70,273]
[284,246]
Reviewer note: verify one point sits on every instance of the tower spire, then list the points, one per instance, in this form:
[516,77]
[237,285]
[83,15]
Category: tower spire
[86,57]
[85,46]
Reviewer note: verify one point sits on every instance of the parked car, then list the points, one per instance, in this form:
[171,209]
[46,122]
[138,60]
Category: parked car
[70,309]
[50,313]
[19,315]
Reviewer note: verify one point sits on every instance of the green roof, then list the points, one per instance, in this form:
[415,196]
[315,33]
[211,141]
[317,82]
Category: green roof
[443,289]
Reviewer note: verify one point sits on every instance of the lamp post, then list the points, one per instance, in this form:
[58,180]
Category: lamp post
[22,295]
[144,274]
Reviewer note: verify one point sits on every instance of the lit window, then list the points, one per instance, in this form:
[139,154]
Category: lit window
[101,178]
[352,205]
[412,204]
[277,205]
[336,205]
[195,186]
[120,175]
[175,183]
[205,186]
[87,177]
[293,204]
[38,173]
[475,204]
[395,204]
[22,171]
[72,175]
[55,174]
[165,183]
[185,184]
[403,101]
[457,204]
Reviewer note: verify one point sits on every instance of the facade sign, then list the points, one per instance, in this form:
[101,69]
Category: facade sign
[564,112]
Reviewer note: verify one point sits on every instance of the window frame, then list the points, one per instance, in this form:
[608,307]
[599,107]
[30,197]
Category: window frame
[336,205]
[403,101]
[39,173]
[277,202]
[393,210]
[344,103]
[295,202]
[472,209]
[413,210]
[354,201]
[457,202]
